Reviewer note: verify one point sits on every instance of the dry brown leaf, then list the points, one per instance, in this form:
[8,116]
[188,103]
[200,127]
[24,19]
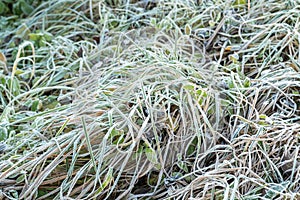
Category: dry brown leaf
[2,57]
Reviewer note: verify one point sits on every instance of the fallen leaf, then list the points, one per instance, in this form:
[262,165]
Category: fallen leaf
[2,58]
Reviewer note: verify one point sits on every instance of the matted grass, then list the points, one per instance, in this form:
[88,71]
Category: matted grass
[152,100]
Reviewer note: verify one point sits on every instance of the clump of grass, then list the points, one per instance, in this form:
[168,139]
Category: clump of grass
[152,100]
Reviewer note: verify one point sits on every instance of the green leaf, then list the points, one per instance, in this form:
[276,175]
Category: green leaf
[21,178]
[3,8]
[9,1]
[151,155]
[2,81]
[42,42]
[17,8]
[234,58]
[240,2]
[35,36]
[153,21]
[192,147]
[276,189]
[114,132]
[108,178]
[36,105]
[48,36]
[25,7]
[189,87]
[3,133]
[183,166]
[15,86]
[18,72]
[211,23]
[52,105]
[116,136]
[263,123]
[262,116]
[230,84]
[23,31]
[177,175]
[59,76]
[14,194]
[247,82]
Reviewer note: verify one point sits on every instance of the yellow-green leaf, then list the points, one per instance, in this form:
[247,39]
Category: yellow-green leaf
[234,58]
[18,72]
[35,36]
[189,87]
[187,29]
[108,178]
[151,155]
[262,116]
[240,2]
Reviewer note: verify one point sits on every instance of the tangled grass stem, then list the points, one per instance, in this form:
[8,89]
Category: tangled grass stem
[151,100]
